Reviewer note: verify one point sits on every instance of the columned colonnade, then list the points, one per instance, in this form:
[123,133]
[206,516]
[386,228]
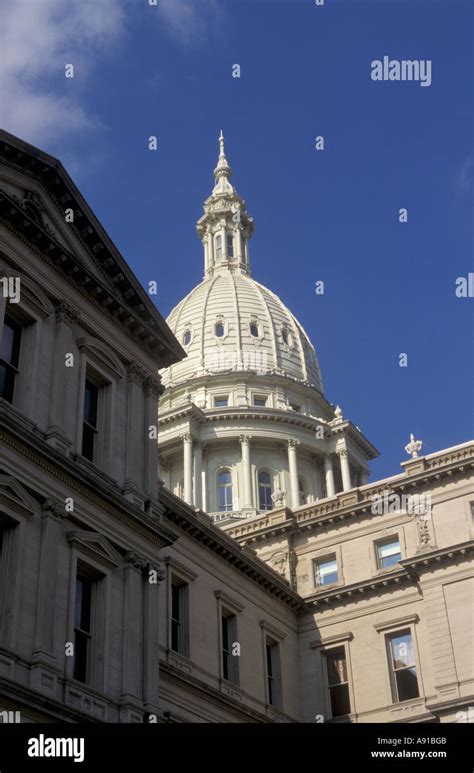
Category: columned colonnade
[193,472]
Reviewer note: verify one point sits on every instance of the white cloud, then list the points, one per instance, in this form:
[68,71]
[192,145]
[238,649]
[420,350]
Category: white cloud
[189,20]
[37,39]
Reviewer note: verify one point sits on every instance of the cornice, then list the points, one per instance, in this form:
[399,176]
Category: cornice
[360,590]
[200,528]
[85,481]
[425,560]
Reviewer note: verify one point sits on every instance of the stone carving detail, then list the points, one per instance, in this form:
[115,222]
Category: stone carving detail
[65,312]
[279,562]
[133,559]
[413,447]
[279,497]
[136,372]
[54,508]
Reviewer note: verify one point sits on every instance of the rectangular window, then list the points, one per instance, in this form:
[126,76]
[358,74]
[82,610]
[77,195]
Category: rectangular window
[179,617]
[230,246]
[257,400]
[83,628]
[338,683]
[9,357]
[230,670]
[325,572]
[221,402]
[402,667]
[89,425]
[388,553]
[272,652]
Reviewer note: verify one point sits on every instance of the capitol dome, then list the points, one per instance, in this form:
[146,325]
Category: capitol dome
[230,322]
[244,426]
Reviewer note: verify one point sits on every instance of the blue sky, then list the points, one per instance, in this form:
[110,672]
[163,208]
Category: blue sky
[330,215]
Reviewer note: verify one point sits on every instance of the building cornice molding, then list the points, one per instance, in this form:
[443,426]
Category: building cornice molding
[79,478]
[200,527]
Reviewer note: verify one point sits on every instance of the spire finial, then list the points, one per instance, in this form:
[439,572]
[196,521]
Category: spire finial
[222,169]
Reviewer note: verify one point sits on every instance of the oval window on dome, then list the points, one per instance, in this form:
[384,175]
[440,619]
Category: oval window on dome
[285,335]
[254,329]
[219,329]
[186,337]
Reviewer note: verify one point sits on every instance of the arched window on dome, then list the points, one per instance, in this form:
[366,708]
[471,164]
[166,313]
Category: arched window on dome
[302,493]
[218,246]
[285,335]
[224,490]
[264,491]
[230,246]
[186,337]
[254,329]
[219,329]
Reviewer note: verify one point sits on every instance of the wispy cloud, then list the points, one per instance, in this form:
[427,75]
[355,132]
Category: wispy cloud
[37,39]
[189,21]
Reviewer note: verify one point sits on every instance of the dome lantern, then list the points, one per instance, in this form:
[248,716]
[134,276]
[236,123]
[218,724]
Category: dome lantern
[225,227]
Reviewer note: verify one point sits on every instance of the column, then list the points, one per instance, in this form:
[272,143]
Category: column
[198,475]
[59,429]
[151,640]
[345,469]
[318,488]
[204,479]
[132,625]
[52,516]
[293,468]
[363,477]
[153,390]
[329,473]
[246,477]
[134,437]
[188,467]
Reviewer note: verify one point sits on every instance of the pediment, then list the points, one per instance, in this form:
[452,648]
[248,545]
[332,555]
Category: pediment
[100,352]
[96,546]
[14,497]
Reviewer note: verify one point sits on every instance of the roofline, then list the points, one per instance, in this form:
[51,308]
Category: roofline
[171,344]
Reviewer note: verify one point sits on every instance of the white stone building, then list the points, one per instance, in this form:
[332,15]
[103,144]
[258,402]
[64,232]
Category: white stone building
[244,422]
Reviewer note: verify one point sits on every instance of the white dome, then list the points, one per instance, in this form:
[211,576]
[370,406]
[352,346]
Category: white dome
[230,322]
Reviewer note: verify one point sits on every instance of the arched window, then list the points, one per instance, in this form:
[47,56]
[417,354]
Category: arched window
[264,491]
[303,497]
[187,337]
[230,246]
[218,246]
[224,490]
[254,329]
[284,334]
[219,329]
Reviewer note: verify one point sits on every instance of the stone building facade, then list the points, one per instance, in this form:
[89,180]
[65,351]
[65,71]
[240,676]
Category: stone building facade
[120,601]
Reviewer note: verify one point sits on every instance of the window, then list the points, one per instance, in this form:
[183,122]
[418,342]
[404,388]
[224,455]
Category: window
[261,401]
[179,616]
[338,683]
[230,662]
[272,657]
[325,572]
[224,489]
[254,329]
[9,357]
[301,492]
[295,407]
[264,491]
[89,426]
[83,628]
[284,335]
[388,553]
[221,402]
[186,337]
[219,246]
[219,329]
[402,667]
[230,246]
